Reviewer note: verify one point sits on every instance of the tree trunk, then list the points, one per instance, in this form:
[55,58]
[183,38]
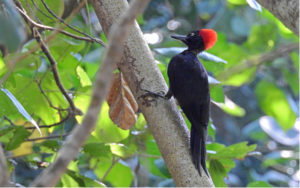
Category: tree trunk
[162,116]
[287,11]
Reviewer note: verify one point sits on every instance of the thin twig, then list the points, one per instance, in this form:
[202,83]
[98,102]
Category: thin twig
[51,125]
[114,162]
[45,27]
[12,63]
[48,100]
[53,64]
[9,120]
[50,176]
[32,1]
[45,138]
[68,25]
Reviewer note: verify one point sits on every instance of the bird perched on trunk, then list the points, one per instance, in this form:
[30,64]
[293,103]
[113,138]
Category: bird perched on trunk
[189,85]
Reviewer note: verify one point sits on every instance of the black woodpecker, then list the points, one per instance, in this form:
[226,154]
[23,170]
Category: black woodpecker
[189,85]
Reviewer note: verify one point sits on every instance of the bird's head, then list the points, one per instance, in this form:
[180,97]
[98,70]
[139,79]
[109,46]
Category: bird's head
[199,40]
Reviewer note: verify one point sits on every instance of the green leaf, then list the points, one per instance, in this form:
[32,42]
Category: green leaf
[122,150]
[57,6]
[160,164]
[217,93]
[295,58]
[231,108]
[20,134]
[211,131]
[274,103]
[83,77]
[20,108]
[217,172]
[6,133]
[259,184]
[83,181]
[3,68]
[106,131]
[120,174]
[149,162]
[28,93]
[246,76]
[96,149]
[50,144]
[237,2]
[261,38]
[292,78]
[235,151]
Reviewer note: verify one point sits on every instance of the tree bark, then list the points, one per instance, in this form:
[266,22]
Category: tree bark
[287,11]
[4,176]
[163,118]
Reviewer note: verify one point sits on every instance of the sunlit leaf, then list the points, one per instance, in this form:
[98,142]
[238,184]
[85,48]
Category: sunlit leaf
[217,173]
[217,93]
[237,2]
[231,108]
[122,150]
[120,175]
[84,79]
[20,134]
[106,131]
[21,109]
[274,103]
[237,151]
[259,184]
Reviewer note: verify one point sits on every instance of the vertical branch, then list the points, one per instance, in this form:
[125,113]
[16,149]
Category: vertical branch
[163,118]
[4,176]
[50,176]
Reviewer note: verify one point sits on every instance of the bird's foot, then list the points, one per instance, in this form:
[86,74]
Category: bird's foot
[160,94]
[150,96]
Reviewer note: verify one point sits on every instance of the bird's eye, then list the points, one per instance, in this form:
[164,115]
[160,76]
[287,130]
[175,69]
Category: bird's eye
[192,34]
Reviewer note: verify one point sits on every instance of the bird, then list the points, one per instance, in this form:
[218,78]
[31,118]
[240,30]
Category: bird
[188,83]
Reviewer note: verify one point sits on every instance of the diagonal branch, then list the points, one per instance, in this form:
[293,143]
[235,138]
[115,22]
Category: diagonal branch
[45,27]
[163,118]
[80,133]
[257,61]
[53,64]
[71,27]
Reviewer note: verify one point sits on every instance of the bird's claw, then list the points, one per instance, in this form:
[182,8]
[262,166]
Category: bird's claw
[150,96]
[147,94]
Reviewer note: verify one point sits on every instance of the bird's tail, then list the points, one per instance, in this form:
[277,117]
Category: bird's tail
[198,148]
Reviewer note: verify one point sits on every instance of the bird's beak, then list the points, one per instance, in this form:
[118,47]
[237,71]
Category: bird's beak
[179,37]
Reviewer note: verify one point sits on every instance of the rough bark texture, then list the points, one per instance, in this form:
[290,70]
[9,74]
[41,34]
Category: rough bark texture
[163,118]
[4,177]
[286,11]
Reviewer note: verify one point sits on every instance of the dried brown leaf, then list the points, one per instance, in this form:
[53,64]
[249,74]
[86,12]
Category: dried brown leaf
[122,104]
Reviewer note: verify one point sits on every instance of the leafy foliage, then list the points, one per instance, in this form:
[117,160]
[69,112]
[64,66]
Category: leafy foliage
[252,103]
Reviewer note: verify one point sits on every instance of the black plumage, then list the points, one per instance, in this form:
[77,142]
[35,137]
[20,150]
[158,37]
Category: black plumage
[189,85]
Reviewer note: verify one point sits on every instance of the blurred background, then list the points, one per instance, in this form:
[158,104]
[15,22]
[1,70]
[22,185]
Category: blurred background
[254,129]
